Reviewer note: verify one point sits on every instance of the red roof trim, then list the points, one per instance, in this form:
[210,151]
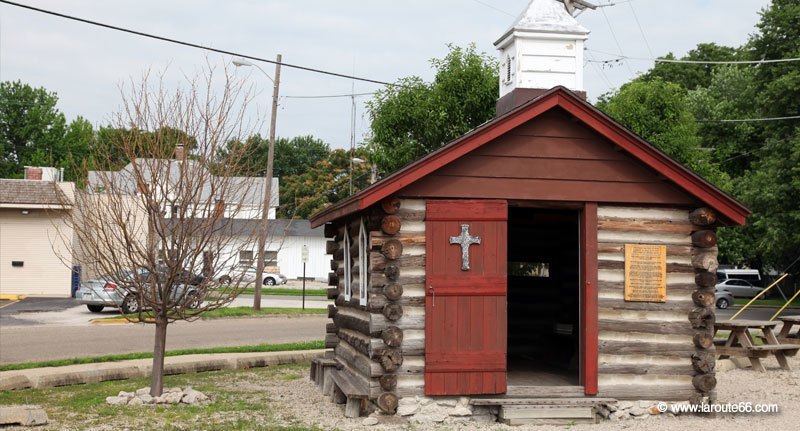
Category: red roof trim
[732,210]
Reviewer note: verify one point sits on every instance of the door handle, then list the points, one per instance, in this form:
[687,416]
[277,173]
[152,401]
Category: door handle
[433,295]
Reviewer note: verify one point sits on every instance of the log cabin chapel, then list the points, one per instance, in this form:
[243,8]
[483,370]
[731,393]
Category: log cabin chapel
[544,265]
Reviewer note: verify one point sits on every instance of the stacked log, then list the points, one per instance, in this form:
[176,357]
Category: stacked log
[645,348]
[380,344]
[386,297]
[334,247]
[702,318]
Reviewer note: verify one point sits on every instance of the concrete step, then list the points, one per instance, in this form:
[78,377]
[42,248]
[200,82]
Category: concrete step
[551,414]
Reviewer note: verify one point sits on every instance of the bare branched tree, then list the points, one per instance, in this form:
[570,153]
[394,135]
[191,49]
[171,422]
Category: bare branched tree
[162,228]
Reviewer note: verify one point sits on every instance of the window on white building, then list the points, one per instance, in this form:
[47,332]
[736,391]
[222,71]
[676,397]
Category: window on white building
[270,258]
[363,262]
[348,288]
[246,257]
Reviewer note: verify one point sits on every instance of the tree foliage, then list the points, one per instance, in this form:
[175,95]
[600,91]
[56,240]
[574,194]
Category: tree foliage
[31,128]
[324,183]
[691,76]
[759,158]
[413,117]
[293,156]
[657,111]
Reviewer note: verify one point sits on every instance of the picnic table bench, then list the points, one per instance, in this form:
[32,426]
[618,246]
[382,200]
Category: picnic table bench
[740,342]
[784,336]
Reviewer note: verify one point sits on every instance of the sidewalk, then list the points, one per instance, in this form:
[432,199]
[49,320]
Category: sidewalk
[99,372]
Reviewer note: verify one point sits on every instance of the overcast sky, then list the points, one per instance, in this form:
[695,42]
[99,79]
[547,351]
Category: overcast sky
[378,39]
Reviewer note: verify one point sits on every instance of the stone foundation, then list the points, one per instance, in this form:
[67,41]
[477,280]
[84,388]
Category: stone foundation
[448,410]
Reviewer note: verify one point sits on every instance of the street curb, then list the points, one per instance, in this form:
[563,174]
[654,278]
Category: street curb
[105,321]
[12,297]
[49,377]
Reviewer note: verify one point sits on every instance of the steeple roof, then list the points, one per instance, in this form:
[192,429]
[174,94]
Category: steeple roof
[548,16]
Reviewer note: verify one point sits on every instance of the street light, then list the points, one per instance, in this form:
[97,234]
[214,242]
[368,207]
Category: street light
[262,233]
[373,171]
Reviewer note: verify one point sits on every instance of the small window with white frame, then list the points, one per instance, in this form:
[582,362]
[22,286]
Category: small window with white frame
[348,287]
[363,262]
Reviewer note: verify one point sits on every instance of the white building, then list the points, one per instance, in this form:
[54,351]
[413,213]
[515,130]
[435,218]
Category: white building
[285,241]
[242,203]
[35,237]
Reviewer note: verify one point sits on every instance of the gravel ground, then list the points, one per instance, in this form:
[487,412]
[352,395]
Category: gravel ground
[301,399]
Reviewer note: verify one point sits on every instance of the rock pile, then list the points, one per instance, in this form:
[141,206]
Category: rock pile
[423,410]
[623,410]
[173,396]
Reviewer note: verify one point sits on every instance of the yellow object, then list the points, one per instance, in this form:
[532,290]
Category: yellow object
[759,296]
[12,297]
[785,305]
[104,321]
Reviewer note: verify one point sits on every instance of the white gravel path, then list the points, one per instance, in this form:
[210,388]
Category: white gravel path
[301,400]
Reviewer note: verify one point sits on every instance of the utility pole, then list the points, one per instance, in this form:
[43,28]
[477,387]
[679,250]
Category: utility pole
[262,234]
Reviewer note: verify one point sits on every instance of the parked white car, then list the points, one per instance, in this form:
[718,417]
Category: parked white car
[247,275]
[739,288]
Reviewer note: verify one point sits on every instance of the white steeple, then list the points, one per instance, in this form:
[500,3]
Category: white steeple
[543,49]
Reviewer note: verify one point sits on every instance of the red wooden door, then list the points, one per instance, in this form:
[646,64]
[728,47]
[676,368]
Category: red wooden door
[465,310]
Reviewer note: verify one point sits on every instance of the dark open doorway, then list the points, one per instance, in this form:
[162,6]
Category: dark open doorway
[543,297]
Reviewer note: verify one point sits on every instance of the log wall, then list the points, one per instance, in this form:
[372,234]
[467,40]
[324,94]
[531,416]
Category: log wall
[647,350]
[377,344]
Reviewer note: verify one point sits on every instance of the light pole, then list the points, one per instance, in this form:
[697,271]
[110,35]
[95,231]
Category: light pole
[262,229]
[373,171]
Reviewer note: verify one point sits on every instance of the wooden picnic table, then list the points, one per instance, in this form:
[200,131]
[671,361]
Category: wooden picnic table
[740,342]
[784,336]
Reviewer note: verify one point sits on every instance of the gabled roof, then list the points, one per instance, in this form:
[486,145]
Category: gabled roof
[730,210]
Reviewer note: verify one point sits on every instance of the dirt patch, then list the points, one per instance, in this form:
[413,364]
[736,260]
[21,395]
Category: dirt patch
[301,398]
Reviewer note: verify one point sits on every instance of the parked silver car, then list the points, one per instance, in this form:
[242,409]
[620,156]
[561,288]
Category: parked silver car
[739,288]
[103,292]
[723,299]
[247,275]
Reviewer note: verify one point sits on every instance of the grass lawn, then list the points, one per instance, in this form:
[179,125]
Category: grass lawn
[285,291]
[310,345]
[241,400]
[770,302]
[227,312]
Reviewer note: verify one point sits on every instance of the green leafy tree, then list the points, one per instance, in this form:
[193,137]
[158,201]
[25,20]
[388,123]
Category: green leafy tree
[31,128]
[730,94]
[779,83]
[413,117]
[657,111]
[691,76]
[293,156]
[772,186]
[327,182]
[78,142]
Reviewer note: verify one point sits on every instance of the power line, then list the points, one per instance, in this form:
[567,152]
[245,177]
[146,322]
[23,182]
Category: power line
[760,148]
[192,45]
[614,35]
[329,96]
[667,60]
[641,31]
[599,70]
[745,120]
[490,6]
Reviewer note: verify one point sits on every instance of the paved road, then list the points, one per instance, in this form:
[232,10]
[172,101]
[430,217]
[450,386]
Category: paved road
[38,343]
[753,313]
[68,312]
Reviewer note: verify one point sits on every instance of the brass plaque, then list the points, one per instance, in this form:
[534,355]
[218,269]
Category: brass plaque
[645,273]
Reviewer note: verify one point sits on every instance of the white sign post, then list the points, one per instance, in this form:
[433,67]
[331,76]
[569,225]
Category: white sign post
[304,257]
